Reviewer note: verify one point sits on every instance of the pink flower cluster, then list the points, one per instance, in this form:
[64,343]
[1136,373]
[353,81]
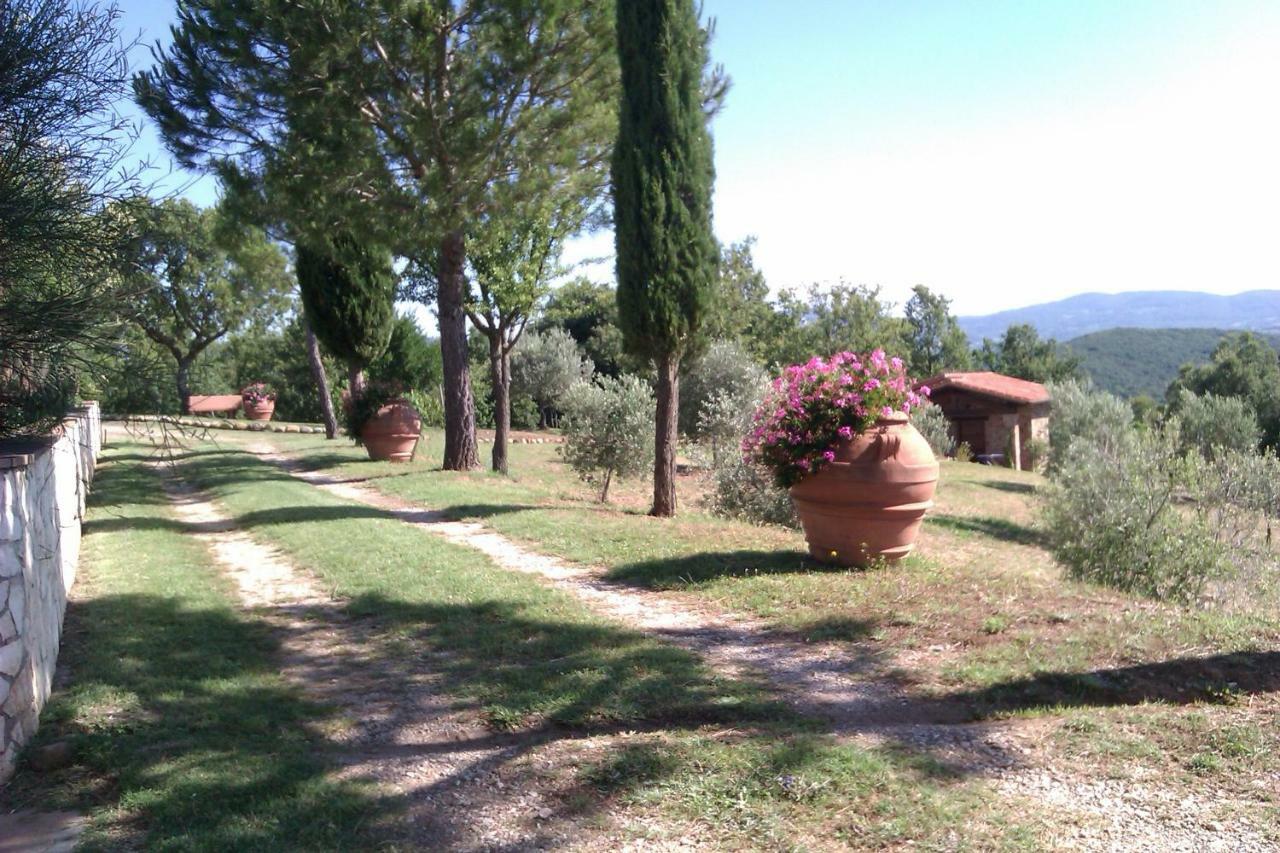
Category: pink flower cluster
[812,407]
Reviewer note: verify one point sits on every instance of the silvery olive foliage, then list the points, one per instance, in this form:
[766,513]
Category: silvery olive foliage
[608,429]
[723,419]
[724,370]
[545,365]
[1112,516]
[1141,513]
[931,423]
[1081,413]
[722,390]
[746,491]
[1211,424]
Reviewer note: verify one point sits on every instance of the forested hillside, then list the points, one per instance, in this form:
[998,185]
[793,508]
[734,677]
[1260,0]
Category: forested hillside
[1129,362]
[1257,310]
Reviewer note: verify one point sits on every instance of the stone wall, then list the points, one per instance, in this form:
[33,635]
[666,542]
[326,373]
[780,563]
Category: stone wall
[43,485]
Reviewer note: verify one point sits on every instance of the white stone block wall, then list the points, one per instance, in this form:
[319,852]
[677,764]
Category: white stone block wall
[42,500]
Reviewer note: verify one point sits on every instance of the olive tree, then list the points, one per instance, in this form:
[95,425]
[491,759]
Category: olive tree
[606,428]
[545,366]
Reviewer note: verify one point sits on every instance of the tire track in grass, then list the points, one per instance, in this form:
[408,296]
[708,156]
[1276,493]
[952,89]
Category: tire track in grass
[818,681]
[452,773]
[844,691]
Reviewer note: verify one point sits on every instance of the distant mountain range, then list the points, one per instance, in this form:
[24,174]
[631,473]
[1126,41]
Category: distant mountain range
[1129,362]
[1257,310]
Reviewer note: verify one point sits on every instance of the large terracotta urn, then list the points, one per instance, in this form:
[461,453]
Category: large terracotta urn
[392,434]
[259,411]
[869,503]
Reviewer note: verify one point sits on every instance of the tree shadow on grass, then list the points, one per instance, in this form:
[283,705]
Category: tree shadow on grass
[524,668]
[845,628]
[321,460]
[1009,486]
[1220,678]
[481,511]
[211,729]
[537,680]
[177,711]
[692,569]
[994,528]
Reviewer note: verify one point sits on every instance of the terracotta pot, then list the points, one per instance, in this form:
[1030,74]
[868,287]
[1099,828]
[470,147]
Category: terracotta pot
[260,411]
[392,434]
[869,503]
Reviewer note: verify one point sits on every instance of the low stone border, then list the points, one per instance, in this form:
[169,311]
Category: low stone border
[221,423]
[240,425]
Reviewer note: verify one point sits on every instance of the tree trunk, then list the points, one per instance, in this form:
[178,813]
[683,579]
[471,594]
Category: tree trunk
[460,453]
[321,380]
[664,445]
[184,385]
[355,380]
[501,377]
[542,417]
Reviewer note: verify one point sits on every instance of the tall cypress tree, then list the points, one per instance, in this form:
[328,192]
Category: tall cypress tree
[662,179]
[348,291]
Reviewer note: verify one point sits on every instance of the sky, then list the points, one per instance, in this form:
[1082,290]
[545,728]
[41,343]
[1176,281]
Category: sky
[1002,152]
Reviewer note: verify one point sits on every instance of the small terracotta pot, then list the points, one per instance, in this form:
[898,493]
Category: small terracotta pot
[392,434]
[260,411]
[869,503]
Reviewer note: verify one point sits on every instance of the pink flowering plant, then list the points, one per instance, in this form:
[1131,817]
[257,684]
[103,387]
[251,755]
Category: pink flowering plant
[257,393]
[812,407]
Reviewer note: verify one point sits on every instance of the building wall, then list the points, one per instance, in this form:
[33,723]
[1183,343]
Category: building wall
[42,497]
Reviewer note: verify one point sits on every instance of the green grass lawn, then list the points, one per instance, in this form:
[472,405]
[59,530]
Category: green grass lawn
[706,754]
[185,736]
[981,611]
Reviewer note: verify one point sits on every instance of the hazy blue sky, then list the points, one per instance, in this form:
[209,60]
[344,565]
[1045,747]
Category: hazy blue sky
[1002,152]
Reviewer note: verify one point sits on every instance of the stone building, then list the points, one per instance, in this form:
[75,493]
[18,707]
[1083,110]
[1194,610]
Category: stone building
[996,415]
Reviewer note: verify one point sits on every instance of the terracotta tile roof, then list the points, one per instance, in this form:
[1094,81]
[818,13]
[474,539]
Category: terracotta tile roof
[991,384]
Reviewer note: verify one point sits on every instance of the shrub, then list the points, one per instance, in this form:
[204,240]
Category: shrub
[936,429]
[723,420]
[1210,423]
[524,412]
[545,366]
[724,371]
[964,453]
[1111,516]
[430,407]
[608,428]
[746,491]
[1239,491]
[1036,453]
[1082,413]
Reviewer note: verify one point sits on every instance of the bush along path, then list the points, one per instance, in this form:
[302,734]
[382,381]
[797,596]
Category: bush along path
[849,695]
